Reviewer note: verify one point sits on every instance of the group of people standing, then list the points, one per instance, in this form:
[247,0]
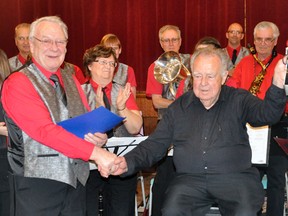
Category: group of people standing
[204,123]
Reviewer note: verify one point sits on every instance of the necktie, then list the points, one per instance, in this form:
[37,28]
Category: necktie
[59,89]
[105,99]
[234,56]
[107,105]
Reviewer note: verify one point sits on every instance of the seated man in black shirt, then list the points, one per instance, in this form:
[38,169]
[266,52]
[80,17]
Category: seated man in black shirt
[212,155]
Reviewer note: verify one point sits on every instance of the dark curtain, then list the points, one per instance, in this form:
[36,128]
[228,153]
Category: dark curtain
[136,23]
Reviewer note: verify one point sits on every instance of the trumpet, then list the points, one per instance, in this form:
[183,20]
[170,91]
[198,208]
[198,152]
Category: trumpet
[170,69]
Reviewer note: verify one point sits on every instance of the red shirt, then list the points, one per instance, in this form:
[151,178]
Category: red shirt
[21,59]
[79,75]
[230,51]
[246,71]
[25,107]
[130,104]
[152,85]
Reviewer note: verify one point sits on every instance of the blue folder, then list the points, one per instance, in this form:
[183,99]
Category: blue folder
[98,120]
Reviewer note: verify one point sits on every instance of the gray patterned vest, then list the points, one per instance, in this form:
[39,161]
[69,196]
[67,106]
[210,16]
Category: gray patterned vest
[14,63]
[41,161]
[121,75]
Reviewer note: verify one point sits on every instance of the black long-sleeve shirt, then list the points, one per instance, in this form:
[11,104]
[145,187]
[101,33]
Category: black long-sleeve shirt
[209,141]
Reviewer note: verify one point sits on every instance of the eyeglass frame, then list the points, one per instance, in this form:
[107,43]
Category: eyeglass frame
[266,41]
[235,32]
[103,62]
[49,42]
[21,38]
[168,40]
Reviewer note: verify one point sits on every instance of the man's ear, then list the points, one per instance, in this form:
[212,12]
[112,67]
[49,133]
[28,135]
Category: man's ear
[224,78]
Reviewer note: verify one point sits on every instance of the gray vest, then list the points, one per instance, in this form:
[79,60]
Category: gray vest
[14,63]
[41,161]
[242,53]
[121,75]
[166,93]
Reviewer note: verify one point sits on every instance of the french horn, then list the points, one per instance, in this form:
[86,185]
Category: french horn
[169,69]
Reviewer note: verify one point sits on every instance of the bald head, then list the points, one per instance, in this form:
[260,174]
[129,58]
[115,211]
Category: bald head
[234,35]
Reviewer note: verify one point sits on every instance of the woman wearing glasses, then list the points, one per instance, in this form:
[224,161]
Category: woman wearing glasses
[101,90]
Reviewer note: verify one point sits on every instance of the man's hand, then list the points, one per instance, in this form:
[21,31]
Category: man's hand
[3,129]
[104,160]
[99,139]
[121,164]
[280,73]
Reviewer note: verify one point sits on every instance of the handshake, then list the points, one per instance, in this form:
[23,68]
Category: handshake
[109,163]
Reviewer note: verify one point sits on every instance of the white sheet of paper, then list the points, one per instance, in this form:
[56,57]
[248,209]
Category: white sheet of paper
[123,146]
[259,141]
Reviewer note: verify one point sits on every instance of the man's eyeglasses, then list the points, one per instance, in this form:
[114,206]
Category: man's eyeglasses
[172,40]
[49,43]
[266,41]
[103,62]
[235,32]
[21,38]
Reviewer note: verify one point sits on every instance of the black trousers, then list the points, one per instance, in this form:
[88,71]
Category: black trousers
[118,194]
[164,175]
[237,194]
[4,184]
[35,196]
[278,165]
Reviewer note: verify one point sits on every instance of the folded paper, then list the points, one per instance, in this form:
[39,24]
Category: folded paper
[98,120]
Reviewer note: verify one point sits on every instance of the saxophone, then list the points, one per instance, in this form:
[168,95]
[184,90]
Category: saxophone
[257,82]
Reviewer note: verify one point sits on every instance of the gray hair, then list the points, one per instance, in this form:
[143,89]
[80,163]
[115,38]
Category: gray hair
[211,52]
[169,27]
[265,25]
[54,19]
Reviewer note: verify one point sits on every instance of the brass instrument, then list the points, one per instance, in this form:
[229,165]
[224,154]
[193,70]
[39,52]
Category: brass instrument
[169,69]
[257,82]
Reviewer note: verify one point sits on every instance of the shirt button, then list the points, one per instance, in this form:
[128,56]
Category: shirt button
[205,138]
[205,167]
[204,152]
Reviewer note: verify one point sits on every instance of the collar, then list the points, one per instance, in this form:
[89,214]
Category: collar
[21,58]
[95,85]
[191,98]
[266,60]
[46,72]
[230,50]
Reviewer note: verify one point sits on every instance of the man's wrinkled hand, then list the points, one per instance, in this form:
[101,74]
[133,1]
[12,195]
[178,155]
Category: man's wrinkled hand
[121,164]
[98,139]
[104,160]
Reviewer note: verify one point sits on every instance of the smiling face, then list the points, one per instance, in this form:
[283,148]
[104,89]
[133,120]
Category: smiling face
[234,35]
[102,70]
[207,79]
[22,40]
[47,45]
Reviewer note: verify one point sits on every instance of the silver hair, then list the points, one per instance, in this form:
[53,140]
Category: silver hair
[169,27]
[265,25]
[54,19]
[211,52]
